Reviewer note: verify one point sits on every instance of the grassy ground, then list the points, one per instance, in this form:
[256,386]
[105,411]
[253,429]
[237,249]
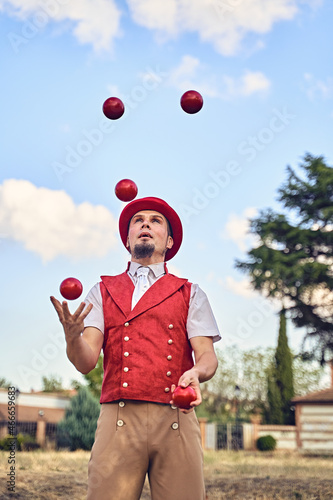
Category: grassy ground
[229,475]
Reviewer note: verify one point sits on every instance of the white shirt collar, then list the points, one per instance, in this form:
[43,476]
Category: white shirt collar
[157,269]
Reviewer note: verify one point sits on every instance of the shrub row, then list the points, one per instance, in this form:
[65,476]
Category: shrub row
[23,442]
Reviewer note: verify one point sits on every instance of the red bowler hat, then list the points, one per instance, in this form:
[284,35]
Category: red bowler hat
[160,206]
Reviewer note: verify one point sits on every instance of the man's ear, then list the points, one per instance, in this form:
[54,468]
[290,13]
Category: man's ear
[169,242]
[127,242]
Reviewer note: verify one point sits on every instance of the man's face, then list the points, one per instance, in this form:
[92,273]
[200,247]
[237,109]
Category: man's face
[148,237]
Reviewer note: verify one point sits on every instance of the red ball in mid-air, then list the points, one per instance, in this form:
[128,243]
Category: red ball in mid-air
[182,397]
[191,102]
[113,108]
[126,190]
[71,288]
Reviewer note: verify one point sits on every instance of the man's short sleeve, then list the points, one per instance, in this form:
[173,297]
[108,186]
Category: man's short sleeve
[201,321]
[95,318]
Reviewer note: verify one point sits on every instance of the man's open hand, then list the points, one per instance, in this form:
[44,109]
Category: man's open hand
[73,324]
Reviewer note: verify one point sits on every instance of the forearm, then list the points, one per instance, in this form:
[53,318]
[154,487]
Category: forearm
[205,366]
[80,354]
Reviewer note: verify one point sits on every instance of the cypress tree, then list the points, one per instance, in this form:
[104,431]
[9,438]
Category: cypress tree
[77,429]
[274,414]
[284,371]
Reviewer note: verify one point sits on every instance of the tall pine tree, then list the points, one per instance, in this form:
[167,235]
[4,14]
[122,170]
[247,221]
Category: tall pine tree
[294,259]
[284,372]
[274,411]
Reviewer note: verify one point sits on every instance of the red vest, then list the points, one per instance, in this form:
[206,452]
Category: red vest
[146,350]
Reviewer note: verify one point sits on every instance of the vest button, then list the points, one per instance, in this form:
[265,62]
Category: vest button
[166,389]
[126,354]
[125,384]
[121,404]
[170,341]
[169,358]
[126,324]
[168,374]
[120,423]
[126,369]
[126,339]
[174,426]
[170,327]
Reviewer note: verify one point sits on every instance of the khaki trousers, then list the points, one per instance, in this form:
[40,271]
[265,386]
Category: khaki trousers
[135,438]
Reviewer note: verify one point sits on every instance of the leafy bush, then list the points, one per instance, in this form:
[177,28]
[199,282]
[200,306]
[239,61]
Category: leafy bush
[22,442]
[266,443]
[7,442]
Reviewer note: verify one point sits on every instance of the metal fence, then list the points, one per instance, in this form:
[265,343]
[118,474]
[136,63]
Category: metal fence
[26,428]
[229,437]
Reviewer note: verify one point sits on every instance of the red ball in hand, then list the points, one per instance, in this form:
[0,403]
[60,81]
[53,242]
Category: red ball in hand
[71,288]
[183,396]
[113,108]
[126,190]
[191,102]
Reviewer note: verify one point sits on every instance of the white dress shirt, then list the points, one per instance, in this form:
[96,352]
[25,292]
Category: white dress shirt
[200,320]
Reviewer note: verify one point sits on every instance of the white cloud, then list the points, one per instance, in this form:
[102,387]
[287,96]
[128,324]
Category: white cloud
[192,74]
[223,23]
[94,22]
[50,224]
[316,88]
[253,81]
[237,229]
[250,82]
[242,288]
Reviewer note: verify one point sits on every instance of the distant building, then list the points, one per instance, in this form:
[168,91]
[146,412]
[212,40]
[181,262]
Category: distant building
[37,413]
[314,421]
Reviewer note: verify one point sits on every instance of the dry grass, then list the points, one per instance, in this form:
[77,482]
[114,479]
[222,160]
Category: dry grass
[266,476]
[229,475]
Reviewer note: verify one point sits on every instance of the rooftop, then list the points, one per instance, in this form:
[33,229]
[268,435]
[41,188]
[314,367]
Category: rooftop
[323,396]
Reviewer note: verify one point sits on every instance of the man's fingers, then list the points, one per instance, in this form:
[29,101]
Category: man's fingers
[79,311]
[55,302]
[66,311]
[87,311]
[58,307]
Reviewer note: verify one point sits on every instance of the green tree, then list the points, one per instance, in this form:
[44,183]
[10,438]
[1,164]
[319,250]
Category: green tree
[252,370]
[52,384]
[284,371]
[94,379]
[280,382]
[273,410]
[293,261]
[4,383]
[77,429]
[307,375]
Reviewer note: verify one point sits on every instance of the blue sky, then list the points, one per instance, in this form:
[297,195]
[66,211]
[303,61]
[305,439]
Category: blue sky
[264,69]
